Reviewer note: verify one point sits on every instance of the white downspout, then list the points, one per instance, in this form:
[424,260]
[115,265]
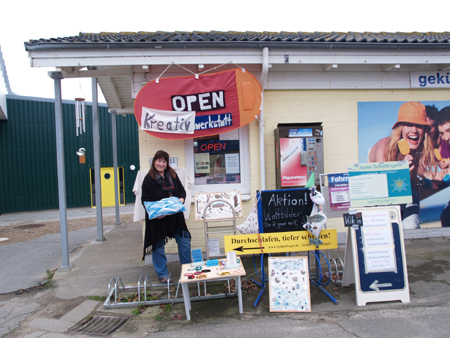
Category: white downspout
[262,152]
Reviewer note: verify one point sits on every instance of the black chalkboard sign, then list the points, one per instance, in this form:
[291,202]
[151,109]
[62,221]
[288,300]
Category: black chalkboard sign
[283,210]
[353,219]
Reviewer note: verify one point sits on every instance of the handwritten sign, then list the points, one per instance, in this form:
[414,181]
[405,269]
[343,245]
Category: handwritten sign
[283,210]
[378,241]
[214,247]
[353,219]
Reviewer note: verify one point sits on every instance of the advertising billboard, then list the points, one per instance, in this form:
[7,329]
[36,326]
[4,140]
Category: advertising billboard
[409,130]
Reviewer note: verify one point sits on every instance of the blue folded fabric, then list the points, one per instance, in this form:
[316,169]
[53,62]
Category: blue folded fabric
[164,207]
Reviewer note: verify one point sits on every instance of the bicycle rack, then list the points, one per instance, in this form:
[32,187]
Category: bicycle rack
[338,273]
[318,280]
[116,286]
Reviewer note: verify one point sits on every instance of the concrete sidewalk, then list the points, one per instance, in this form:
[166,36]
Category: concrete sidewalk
[50,312]
[24,265]
[60,307]
[53,215]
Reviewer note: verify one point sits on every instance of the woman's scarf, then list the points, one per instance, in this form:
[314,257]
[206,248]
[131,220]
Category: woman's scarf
[166,183]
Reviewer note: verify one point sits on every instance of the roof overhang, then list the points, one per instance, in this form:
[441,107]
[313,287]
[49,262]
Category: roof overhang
[122,68]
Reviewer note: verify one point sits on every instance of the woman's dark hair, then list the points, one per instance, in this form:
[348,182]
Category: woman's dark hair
[165,156]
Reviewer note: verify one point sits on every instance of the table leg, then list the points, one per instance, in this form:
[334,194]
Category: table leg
[187,300]
[239,291]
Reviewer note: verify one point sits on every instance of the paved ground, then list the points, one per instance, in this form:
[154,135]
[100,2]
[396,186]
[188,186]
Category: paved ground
[48,312]
[53,215]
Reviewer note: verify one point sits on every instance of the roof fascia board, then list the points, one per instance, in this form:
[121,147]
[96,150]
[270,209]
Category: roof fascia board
[141,60]
[275,57]
[230,44]
[207,52]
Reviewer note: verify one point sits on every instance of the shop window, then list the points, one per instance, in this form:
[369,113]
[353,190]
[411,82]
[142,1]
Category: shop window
[219,162]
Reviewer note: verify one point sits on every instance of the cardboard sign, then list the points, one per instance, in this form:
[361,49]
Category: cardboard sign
[188,107]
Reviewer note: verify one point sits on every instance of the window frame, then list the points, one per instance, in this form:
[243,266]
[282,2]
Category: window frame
[244,156]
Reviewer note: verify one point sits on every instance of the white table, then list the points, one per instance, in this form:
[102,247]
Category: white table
[215,275]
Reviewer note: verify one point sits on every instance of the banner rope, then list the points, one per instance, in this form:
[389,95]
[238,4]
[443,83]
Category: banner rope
[197,74]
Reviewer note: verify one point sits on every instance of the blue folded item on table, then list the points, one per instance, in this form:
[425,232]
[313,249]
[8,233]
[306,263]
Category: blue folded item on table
[164,207]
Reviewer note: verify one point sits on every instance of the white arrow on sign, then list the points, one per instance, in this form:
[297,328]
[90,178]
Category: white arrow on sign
[375,286]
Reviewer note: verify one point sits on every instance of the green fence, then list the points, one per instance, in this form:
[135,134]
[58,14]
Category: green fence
[28,172]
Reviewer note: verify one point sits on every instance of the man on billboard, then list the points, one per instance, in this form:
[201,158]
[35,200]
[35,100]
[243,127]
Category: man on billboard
[443,125]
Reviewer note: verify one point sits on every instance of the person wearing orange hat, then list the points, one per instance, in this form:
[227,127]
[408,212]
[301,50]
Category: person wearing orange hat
[411,126]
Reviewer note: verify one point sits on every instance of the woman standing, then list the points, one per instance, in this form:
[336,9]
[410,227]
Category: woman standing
[163,182]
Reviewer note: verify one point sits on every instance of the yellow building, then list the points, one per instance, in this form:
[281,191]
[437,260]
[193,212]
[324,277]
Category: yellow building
[306,78]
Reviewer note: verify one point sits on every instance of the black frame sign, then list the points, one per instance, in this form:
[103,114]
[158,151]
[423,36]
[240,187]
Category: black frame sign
[353,219]
[283,210]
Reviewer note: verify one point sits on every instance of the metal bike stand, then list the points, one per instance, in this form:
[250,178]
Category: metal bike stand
[144,285]
[319,275]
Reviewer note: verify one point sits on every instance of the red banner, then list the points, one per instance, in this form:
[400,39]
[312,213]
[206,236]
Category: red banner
[221,101]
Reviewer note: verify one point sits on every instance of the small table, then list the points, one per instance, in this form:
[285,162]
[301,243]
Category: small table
[217,273]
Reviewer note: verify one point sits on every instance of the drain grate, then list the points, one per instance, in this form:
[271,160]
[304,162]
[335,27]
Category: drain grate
[99,325]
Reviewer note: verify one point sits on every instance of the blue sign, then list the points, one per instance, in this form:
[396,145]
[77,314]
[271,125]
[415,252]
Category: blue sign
[197,255]
[385,280]
[379,183]
[300,132]
[213,121]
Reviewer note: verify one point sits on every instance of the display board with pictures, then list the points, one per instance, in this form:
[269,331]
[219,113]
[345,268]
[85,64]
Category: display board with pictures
[218,209]
[289,284]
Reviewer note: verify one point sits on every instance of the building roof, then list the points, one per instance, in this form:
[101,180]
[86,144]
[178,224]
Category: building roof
[124,62]
[231,38]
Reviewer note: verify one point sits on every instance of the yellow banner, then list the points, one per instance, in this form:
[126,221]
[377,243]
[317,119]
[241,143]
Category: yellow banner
[279,242]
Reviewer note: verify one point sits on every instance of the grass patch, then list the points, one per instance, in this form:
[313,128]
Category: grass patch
[141,308]
[97,298]
[49,278]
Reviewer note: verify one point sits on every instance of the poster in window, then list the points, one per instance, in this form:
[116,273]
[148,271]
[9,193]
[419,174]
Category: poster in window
[202,163]
[232,163]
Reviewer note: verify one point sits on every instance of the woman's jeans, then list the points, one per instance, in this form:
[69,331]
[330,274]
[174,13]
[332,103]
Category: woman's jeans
[160,260]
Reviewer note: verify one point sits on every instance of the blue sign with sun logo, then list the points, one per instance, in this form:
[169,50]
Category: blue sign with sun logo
[399,184]
[380,183]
